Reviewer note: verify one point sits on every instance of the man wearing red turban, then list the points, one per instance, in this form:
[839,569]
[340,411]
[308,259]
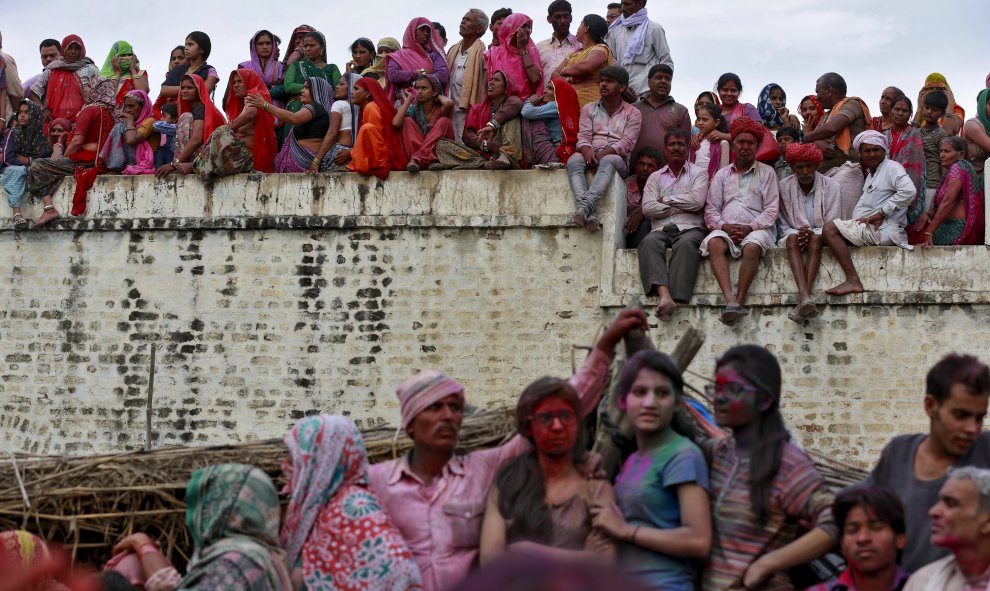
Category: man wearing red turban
[741,211]
[808,200]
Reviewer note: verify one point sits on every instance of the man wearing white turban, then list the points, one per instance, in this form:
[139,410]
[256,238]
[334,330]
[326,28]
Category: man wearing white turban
[880,214]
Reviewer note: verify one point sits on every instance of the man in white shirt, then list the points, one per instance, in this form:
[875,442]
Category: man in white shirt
[674,201]
[562,43]
[880,214]
[466,63]
[808,201]
[637,44]
[961,523]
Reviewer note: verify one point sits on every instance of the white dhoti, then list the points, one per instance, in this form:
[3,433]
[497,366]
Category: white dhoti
[762,238]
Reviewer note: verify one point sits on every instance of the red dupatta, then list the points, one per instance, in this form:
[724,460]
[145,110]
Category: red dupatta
[212,117]
[264,148]
[569,112]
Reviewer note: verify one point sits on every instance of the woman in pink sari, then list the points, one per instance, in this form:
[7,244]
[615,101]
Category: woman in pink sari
[421,53]
[516,55]
[423,119]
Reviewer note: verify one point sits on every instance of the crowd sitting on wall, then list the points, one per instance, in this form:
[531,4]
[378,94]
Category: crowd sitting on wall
[689,508]
[741,180]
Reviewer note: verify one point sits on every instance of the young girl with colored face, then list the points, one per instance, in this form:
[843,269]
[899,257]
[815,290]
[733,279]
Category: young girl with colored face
[661,518]
[541,501]
[762,484]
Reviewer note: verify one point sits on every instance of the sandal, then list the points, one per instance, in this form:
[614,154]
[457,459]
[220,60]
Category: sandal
[795,315]
[19,222]
[808,309]
[730,314]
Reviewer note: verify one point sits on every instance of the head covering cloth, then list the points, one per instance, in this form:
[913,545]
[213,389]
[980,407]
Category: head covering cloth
[294,39]
[118,48]
[264,147]
[872,137]
[349,541]
[273,70]
[804,153]
[769,114]
[212,117]
[743,124]
[423,389]
[233,517]
[505,57]
[30,140]
[414,56]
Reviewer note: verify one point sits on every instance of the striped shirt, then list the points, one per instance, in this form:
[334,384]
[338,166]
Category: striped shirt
[799,498]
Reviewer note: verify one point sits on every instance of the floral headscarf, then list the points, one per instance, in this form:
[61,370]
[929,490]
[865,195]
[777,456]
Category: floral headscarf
[335,528]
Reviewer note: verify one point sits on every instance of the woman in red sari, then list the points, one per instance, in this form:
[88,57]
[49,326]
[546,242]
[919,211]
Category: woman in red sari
[198,118]
[246,143]
[377,147]
[60,87]
[423,120]
[907,149]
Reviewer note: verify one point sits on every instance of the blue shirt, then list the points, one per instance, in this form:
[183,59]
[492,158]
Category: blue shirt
[646,492]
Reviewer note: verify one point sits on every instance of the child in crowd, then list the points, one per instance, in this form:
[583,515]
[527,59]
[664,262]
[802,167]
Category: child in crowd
[637,226]
[710,155]
[932,134]
[58,135]
[785,137]
[166,148]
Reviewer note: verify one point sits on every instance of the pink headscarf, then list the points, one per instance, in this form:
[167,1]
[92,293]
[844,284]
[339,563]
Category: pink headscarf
[506,57]
[414,56]
[423,389]
[145,156]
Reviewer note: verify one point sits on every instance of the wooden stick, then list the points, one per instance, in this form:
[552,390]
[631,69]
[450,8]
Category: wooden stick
[151,397]
[20,482]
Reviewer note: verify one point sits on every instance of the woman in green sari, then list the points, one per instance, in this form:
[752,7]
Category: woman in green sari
[312,65]
[233,518]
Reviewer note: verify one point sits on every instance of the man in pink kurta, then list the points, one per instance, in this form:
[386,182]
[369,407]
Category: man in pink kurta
[436,498]
[741,212]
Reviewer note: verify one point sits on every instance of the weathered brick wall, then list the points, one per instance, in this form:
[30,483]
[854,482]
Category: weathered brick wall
[270,297]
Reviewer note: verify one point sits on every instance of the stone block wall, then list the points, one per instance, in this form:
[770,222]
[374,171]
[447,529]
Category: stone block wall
[270,297]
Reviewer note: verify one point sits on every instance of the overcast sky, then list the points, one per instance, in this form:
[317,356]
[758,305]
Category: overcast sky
[872,44]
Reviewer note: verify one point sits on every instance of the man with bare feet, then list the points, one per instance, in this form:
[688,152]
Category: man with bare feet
[673,201]
[741,211]
[808,200]
[880,215]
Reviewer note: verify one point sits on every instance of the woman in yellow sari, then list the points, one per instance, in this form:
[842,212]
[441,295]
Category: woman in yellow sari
[581,68]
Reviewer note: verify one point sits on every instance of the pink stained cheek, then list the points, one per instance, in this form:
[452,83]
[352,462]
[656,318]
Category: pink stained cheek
[948,541]
[738,409]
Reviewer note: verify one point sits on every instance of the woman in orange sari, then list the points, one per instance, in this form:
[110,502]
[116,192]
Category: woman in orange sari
[581,68]
[377,148]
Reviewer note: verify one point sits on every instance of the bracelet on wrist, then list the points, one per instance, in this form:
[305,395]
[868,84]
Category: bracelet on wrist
[147,548]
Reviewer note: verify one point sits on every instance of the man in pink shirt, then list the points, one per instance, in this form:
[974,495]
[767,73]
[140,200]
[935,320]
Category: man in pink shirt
[608,132]
[741,212]
[437,498]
